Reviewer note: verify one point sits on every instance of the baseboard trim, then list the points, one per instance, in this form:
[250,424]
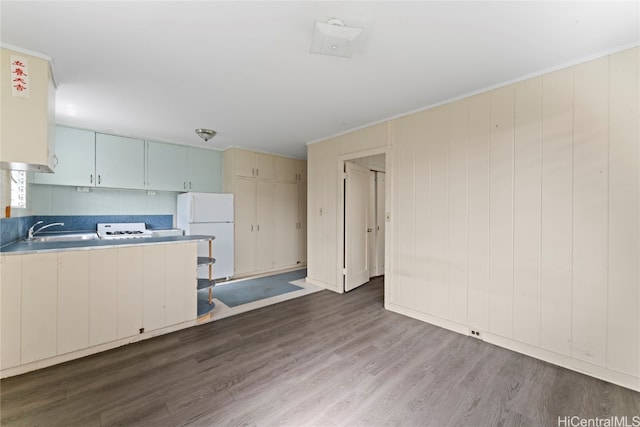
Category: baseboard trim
[61,358]
[600,372]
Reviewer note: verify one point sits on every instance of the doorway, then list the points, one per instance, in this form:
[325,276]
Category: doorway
[364,220]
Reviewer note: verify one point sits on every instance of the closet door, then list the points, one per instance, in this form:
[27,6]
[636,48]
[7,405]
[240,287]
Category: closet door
[264,227]
[286,224]
[245,225]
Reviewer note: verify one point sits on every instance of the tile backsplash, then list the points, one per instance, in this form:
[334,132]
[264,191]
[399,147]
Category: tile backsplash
[81,210]
[12,229]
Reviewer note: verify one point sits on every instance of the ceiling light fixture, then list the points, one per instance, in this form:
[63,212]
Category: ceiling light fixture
[334,38]
[206,134]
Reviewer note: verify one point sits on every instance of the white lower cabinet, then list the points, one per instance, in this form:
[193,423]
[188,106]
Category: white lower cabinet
[169,291]
[73,301]
[38,332]
[153,283]
[10,302]
[129,291]
[180,283]
[61,302]
[103,296]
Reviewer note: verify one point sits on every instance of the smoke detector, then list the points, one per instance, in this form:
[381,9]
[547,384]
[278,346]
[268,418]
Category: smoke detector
[334,38]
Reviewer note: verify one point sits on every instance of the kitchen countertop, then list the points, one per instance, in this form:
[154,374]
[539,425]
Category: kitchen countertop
[22,247]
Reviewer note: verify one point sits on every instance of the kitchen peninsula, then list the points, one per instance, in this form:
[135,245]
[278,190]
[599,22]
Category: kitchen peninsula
[62,300]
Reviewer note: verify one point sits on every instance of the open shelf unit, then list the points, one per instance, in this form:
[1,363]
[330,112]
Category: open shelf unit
[206,306]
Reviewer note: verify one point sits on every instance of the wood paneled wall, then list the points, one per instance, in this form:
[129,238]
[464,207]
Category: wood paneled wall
[516,212]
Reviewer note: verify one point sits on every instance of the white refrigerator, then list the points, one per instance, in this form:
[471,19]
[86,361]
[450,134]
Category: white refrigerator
[210,214]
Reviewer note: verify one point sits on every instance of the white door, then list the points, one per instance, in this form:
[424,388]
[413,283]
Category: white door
[356,226]
[371,230]
[379,231]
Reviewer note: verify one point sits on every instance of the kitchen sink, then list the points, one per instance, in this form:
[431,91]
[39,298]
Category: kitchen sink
[68,237]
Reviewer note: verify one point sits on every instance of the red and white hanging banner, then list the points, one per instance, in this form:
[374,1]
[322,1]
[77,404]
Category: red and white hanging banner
[19,76]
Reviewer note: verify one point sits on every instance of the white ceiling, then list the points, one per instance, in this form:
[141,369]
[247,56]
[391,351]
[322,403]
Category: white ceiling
[159,69]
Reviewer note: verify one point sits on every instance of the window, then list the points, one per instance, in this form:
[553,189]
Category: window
[19,189]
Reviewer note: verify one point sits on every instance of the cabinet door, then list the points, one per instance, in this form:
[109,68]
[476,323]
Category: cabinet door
[129,291]
[301,171]
[166,166]
[286,170]
[205,171]
[39,308]
[285,242]
[73,301]
[103,296]
[265,192]
[119,162]
[265,166]
[75,154]
[244,163]
[26,131]
[153,285]
[181,290]
[302,221]
[244,223]
[10,304]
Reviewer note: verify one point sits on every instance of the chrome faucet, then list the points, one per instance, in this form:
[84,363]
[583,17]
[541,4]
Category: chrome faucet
[33,231]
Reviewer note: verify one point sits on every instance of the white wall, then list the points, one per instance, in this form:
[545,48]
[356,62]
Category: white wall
[323,186]
[514,212]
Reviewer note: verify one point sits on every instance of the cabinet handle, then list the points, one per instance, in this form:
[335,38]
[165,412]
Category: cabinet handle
[253,171]
[91,179]
[252,228]
[99,179]
[184,185]
[257,172]
[258,226]
[189,185]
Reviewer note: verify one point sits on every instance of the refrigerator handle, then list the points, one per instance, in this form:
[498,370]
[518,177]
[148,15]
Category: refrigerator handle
[191,210]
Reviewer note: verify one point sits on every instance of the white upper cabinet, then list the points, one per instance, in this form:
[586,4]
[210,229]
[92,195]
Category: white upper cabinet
[75,159]
[119,161]
[90,159]
[250,164]
[286,170]
[173,167]
[290,170]
[166,166]
[27,114]
[204,168]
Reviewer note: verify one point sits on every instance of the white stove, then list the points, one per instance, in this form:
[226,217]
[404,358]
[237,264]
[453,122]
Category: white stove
[123,230]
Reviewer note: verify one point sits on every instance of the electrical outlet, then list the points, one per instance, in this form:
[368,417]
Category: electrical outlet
[475,333]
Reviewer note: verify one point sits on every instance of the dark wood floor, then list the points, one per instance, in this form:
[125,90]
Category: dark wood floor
[323,359]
